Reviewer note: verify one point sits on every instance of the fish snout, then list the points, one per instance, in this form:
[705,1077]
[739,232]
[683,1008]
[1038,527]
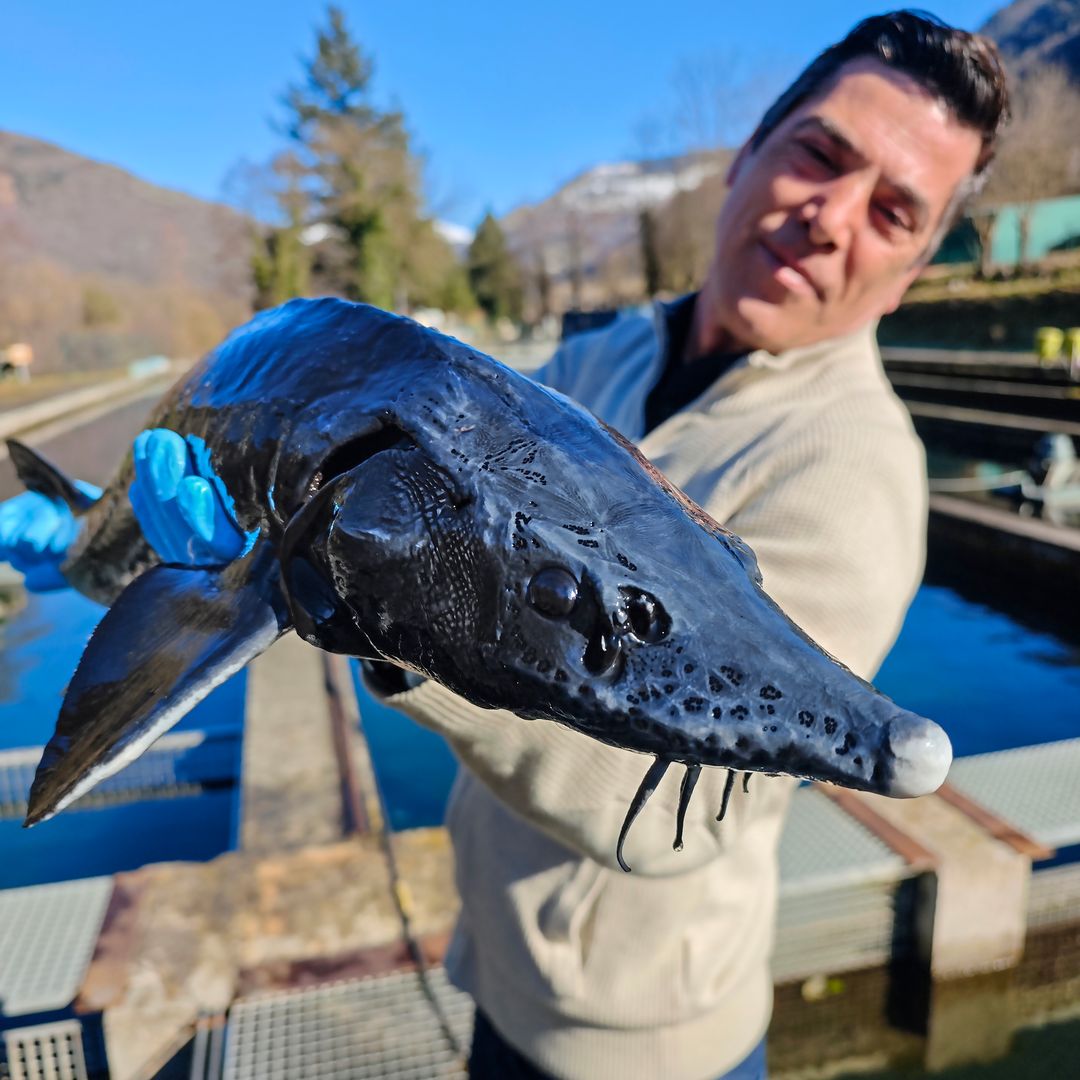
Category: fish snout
[922,755]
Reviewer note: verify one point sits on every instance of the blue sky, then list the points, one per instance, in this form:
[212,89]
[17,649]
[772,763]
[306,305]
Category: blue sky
[506,100]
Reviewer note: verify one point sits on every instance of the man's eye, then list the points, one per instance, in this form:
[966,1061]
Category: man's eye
[893,218]
[816,154]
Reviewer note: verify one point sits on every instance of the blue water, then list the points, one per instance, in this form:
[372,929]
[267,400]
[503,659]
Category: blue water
[415,767]
[109,839]
[39,650]
[991,683]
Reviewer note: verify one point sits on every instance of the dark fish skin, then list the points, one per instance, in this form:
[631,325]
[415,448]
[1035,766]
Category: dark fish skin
[419,502]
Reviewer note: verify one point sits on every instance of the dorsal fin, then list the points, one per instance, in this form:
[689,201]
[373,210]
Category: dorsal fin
[42,476]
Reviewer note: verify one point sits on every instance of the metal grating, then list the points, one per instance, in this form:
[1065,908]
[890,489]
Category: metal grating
[842,928]
[379,1028]
[47,938]
[177,764]
[821,846]
[1054,896]
[45,1052]
[1034,788]
[838,892]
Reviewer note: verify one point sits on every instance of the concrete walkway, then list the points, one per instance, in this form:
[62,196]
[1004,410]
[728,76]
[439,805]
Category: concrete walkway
[290,794]
[26,417]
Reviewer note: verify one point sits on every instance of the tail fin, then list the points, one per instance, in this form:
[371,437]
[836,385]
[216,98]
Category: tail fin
[42,476]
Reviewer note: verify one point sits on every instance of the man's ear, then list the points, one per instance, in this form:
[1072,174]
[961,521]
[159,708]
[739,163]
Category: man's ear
[902,286]
[736,167]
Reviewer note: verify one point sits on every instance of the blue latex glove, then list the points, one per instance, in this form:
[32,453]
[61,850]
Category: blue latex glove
[181,504]
[35,534]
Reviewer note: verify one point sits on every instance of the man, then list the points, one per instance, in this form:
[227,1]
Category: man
[764,399]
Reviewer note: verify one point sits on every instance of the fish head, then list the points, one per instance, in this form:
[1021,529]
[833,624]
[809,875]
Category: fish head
[636,618]
[526,556]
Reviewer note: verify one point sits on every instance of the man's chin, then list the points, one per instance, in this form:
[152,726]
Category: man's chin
[772,327]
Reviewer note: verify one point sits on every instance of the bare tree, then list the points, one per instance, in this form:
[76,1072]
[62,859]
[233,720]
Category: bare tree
[540,300]
[685,230]
[984,219]
[251,187]
[709,95]
[650,256]
[717,97]
[575,260]
[1035,159]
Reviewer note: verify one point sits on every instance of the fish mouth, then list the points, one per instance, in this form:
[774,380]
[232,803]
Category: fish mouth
[911,758]
[871,745]
[904,756]
[742,689]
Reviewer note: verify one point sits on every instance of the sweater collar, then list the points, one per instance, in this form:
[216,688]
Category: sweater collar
[673,318]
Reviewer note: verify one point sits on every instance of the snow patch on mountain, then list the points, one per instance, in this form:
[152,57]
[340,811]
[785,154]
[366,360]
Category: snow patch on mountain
[622,186]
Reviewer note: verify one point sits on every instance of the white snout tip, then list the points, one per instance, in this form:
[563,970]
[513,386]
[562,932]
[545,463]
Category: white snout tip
[922,756]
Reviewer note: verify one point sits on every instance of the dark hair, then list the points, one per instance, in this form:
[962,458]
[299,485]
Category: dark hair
[962,70]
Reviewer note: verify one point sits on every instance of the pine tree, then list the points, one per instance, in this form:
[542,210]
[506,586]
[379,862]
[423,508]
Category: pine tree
[543,286]
[337,82]
[281,263]
[363,179]
[650,255]
[494,273]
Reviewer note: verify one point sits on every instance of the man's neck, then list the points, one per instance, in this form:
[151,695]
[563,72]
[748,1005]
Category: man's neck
[707,337]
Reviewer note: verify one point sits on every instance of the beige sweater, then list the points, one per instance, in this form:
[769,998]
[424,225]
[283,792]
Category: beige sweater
[599,975]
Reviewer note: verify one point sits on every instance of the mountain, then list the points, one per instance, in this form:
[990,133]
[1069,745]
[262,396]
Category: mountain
[596,213]
[93,218]
[98,267]
[1034,33]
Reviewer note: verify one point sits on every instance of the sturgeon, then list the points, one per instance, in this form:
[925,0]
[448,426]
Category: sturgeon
[412,500]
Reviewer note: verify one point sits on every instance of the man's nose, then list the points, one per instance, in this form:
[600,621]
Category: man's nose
[837,212]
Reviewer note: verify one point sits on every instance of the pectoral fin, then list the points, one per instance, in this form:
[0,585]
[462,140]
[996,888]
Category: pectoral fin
[170,638]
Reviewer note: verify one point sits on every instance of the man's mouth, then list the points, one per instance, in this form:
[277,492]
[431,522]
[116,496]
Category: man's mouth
[787,272]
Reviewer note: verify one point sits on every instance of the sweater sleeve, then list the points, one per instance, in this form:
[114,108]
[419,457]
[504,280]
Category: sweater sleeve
[837,529]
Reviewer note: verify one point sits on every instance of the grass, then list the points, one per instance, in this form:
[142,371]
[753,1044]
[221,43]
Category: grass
[14,393]
[961,288]
[1061,273]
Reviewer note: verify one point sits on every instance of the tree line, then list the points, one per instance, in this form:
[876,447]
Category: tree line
[351,218]
[341,210]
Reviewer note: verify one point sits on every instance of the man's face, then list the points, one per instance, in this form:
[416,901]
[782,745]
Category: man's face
[828,219]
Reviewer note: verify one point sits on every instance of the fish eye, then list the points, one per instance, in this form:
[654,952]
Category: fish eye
[553,591]
[648,620]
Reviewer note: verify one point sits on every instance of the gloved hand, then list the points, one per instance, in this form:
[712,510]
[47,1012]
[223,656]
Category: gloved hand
[181,504]
[35,534]
[185,513]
